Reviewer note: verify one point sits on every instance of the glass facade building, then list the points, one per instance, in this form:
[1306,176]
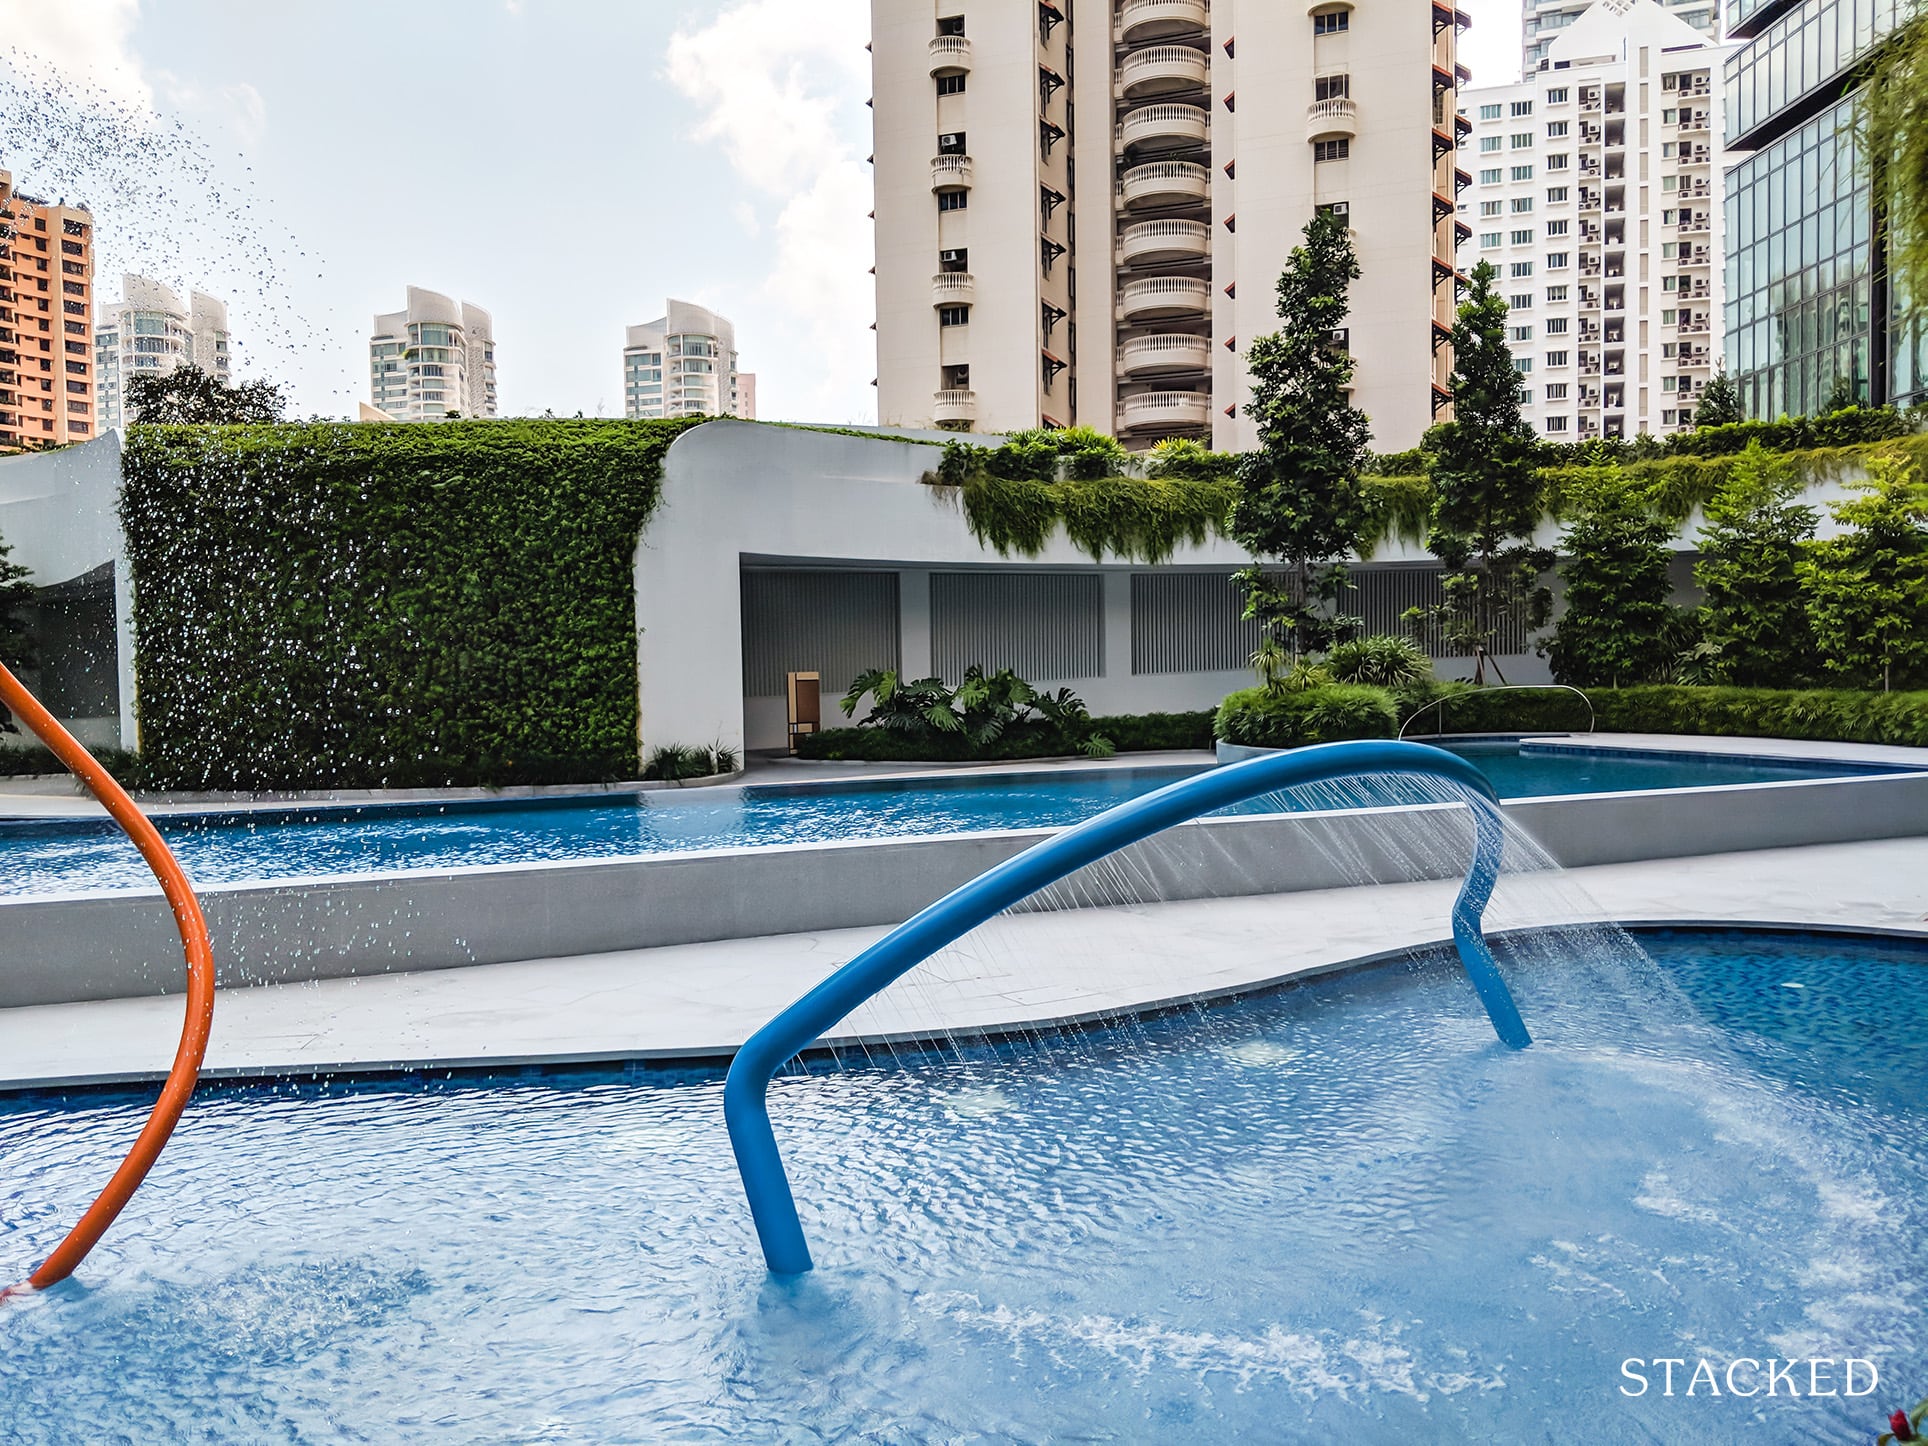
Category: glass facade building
[1807,295]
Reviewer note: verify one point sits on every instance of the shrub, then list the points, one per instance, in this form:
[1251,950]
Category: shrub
[359,606]
[674,762]
[1126,733]
[1380,659]
[1328,714]
[1451,707]
[1868,588]
[1753,610]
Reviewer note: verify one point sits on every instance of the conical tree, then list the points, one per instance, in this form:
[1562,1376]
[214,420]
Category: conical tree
[1619,626]
[1720,402]
[1868,588]
[1753,612]
[1300,506]
[1486,489]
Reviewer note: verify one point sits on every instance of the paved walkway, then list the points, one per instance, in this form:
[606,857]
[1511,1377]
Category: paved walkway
[702,1000]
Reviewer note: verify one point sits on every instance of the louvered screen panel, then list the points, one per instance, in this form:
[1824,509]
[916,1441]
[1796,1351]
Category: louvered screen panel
[1040,625]
[833,623]
[1189,622]
[1384,593]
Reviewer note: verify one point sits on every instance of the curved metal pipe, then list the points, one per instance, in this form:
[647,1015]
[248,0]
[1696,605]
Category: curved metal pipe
[745,1106]
[195,1029]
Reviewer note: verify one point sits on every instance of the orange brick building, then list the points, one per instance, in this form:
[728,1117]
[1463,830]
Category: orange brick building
[46,322]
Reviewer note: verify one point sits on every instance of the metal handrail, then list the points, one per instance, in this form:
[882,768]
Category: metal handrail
[185,1072]
[1502,688]
[746,1109]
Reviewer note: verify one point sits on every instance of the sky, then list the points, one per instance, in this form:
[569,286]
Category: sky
[565,164]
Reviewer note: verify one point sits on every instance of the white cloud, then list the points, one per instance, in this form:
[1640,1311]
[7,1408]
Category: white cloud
[775,83]
[77,40]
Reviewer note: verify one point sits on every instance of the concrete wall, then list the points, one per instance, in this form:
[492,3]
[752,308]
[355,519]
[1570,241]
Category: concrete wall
[59,514]
[104,946]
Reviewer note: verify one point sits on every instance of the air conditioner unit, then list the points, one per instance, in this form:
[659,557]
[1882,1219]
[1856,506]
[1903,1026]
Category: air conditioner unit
[950,258]
[950,139]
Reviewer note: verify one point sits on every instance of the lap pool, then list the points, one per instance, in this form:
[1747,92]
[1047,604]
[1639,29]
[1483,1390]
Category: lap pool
[222,848]
[1337,1212]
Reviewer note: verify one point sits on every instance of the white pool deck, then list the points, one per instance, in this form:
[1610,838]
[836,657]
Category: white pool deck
[702,1000]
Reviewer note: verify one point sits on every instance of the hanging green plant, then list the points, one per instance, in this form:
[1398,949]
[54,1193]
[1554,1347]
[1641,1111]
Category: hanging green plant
[1892,137]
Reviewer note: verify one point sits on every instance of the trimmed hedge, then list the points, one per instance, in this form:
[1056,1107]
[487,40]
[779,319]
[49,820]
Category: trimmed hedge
[1820,714]
[1328,714]
[343,605]
[1128,732]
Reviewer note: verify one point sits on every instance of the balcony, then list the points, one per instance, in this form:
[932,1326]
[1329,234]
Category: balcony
[1148,355]
[953,288]
[1165,127]
[952,406]
[1162,297]
[1142,20]
[950,173]
[950,54]
[1150,241]
[1165,411]
[1165,183]
[1327,120]
[1162,69]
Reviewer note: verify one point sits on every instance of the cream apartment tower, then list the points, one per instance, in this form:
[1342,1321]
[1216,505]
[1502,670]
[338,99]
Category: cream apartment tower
[150,332]
[433,360]
[683,364]
[1083,206]
[1597,196]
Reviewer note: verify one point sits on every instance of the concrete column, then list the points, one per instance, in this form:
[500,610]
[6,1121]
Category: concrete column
[913,623]
[1117,615]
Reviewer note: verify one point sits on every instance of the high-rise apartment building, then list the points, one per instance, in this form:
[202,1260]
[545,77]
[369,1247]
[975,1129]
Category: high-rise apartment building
[149,332]
[1083,206]
[1808,299]
[46,312]
[434,360]
[1597,197]
[683,364]
[1546,19]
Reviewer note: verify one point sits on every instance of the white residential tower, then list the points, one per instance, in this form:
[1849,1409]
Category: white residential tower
[149,332]
[433,361]
[683,364]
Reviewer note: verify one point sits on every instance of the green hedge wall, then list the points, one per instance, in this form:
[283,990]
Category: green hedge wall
[1827,715]
[340,605]
[1129,733]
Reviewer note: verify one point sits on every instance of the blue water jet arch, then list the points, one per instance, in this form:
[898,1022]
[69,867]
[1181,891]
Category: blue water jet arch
[745,1092]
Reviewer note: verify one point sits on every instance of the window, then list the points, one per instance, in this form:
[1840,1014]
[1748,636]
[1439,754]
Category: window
[1521,302]
[1670,283]
[1521,140]
[953,315]
[1557,163]
[1522,364]
[1670,183]
[1556,358]
[1667,149]
[1669,116]
[950,25]
[951,143]
[953,200]
[1521,238]
[1556,260]
[1520,268]
[1489,208]
[1555,130]
[1522,173]
[1332,22]
[1489,112]
[1522,204]
[950,85]
[1669,250]
[1490,178]
[1668,315]
[1486,143]
[1556,228]
[1556,326]
[1556,293]
[1331,87]
[1667,383]
[1555,194]
[1489,239]
[1522,108]
[1331,150]
[1557,96]
[1519,333]
[1556,391]
[1556,424]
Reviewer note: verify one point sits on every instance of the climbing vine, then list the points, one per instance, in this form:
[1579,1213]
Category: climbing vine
[1892,136]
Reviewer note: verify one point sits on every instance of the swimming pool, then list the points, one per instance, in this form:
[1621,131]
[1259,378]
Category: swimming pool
[1334,1213]
[222,848]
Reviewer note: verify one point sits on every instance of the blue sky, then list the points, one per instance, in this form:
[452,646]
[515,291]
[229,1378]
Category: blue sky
[566,164]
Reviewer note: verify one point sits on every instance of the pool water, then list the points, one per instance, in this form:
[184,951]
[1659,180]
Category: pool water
[1338,1212]
[43,858]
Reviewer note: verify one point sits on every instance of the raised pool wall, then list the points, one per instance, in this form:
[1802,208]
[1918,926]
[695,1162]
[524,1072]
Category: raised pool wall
[103,946]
